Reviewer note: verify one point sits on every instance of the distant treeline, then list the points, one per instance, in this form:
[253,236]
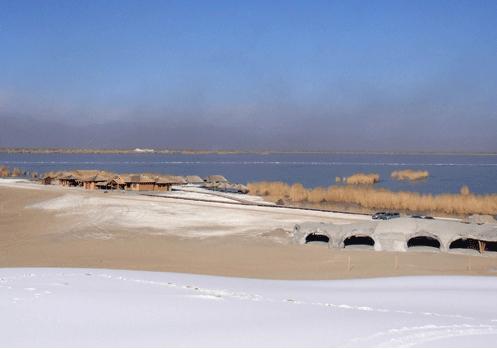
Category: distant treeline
[112,151]
[29,150]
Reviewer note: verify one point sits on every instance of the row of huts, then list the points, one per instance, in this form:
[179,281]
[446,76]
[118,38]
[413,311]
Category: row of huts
[92,180]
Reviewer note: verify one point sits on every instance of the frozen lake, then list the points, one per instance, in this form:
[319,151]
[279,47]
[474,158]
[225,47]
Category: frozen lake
[447,172]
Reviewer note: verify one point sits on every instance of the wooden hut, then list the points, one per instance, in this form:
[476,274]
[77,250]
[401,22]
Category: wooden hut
[140,183]
[118,183]
[69,180]
[103,185]
[165,183]
[194,180]
[94,182]
[216,179]
[47,180]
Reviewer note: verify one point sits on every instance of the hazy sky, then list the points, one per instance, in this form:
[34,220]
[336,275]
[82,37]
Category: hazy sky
[286,75]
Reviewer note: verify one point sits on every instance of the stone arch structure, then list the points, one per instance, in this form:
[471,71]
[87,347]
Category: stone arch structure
[462,243]
[317,237]
[423,239]
[358,239]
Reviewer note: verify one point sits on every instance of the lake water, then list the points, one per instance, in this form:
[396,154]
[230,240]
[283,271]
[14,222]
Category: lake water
[447,172]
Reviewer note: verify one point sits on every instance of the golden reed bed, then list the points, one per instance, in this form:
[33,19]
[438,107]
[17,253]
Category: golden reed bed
[379,198]
[409,175]
[362,178]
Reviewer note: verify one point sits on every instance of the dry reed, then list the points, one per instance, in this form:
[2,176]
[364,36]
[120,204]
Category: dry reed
[16,172]
[363,178]
[464,190]
[372,198]
[4,171]
[409,175]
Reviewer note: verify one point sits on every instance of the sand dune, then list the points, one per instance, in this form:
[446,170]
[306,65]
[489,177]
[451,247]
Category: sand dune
[52,226]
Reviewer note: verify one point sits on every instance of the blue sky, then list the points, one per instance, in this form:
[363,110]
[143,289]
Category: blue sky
[311,75]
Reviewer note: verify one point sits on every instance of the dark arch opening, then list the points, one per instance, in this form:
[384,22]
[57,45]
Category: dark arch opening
[358,240]
[490,246]
[469,244]
[313,237]
[423,241]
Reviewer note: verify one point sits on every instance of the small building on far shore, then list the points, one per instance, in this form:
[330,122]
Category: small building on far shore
[94,182]
[140,183]
[69,180]
[47,180]
[194,180]
[216,179]
[118,183]
[165,183]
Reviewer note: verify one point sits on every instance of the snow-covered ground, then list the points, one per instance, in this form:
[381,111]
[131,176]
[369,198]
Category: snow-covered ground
[91,307]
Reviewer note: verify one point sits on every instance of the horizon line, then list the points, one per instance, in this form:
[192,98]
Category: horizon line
[78,150]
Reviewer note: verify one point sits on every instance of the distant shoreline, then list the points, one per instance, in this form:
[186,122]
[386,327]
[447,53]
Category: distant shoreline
[16,150]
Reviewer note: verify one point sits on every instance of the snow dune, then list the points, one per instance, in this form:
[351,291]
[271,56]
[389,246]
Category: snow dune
[98,307]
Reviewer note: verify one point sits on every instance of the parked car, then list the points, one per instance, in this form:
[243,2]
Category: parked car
[379,215]
[385,215]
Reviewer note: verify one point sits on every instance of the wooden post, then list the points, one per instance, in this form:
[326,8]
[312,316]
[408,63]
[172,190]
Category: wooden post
[469,263]
[396,263]
[349,265]
[481,245]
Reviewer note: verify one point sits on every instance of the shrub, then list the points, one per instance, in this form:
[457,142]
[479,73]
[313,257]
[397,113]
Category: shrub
[16,172]
[4,171]
[464,190]
[409,175]
[363,178]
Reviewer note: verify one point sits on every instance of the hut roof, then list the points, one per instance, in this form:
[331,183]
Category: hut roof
[58,174]
[216,178]
[96,178]
[140,179]
[171,180]
[69,177]
[119,179]
[194,179]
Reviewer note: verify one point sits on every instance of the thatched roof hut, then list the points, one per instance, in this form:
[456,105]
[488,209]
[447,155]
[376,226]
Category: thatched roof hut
[227,187]
[164,183]
[95,181]
[139,178]
[216,179]
[47,179]
[140,182]
[69,179]
[177,180]
[194,180]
